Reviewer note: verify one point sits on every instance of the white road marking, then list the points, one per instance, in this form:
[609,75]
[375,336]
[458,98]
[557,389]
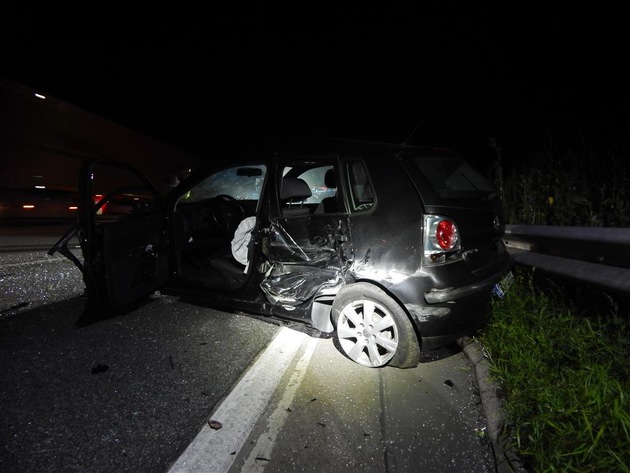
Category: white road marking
[214,451]
[266,442]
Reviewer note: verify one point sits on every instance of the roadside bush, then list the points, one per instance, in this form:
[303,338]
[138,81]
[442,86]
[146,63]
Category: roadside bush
[566,181]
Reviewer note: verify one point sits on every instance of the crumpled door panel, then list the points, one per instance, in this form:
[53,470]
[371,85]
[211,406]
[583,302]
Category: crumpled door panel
[294,284]
[303,265]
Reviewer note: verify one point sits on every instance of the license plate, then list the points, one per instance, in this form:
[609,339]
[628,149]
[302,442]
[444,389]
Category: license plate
[501,288]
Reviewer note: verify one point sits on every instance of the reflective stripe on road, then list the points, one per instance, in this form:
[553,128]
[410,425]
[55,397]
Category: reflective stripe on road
[267,440]
[214,451]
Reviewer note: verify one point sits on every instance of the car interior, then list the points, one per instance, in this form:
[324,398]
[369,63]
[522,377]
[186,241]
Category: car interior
[206,219]
[205,222]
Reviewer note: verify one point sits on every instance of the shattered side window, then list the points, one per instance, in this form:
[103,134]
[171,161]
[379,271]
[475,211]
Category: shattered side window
[361,192]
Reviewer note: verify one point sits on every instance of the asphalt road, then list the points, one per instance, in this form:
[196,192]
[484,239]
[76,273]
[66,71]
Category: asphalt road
[31,237]
[136,392]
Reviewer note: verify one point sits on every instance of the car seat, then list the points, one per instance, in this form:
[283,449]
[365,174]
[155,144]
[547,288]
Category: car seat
[293,193]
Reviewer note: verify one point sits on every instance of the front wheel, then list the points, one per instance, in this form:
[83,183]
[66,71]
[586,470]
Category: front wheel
[373,329]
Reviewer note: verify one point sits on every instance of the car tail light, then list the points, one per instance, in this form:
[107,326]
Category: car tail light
[441,240]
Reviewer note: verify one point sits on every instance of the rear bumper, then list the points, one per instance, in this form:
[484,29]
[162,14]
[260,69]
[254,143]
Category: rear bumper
[443,315]
[438,296]
[438,324]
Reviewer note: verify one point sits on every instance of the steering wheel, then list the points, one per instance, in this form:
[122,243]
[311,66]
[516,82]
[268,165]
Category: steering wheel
[227,213]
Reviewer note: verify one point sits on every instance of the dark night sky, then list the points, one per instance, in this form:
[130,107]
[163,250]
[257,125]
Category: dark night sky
[464,71]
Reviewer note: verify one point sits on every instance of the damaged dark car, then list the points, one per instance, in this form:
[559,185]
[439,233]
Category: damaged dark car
[394,249]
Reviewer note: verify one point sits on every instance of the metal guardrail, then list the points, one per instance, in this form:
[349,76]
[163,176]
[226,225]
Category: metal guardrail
[592,255]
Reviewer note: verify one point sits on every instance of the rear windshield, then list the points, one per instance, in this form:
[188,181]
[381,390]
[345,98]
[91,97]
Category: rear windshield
[452,177]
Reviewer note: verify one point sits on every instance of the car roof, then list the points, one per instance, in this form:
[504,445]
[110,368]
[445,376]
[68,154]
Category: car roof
[326,146]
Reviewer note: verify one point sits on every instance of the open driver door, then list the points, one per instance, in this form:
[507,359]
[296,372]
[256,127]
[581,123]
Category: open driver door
[122,233]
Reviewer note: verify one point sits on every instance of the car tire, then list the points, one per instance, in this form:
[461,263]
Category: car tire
[373,329]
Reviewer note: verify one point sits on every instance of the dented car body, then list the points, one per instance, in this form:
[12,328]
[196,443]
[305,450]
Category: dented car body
[393,248]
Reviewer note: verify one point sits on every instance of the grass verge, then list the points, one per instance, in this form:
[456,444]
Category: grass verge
[564,375]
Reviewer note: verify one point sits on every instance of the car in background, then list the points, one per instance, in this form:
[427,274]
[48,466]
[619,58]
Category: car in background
[394,249]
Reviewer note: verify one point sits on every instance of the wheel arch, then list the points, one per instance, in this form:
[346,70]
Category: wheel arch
[323,319]
[412,355]
[391,294]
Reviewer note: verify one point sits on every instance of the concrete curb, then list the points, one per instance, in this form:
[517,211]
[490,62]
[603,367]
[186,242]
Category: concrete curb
[506,459]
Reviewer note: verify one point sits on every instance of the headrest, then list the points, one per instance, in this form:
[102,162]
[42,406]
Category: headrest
[329,179]
[294,189]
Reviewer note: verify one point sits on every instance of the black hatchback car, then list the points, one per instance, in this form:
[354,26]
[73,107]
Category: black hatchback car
[393,248]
